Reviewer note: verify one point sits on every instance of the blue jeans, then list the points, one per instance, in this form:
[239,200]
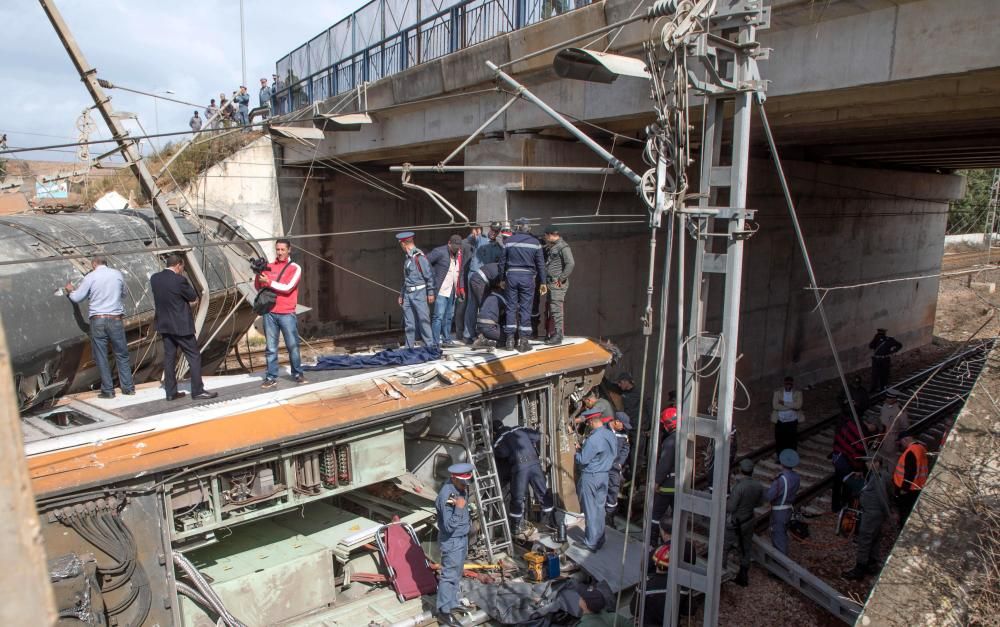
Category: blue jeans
[444,311]
[288,325]
[102,332]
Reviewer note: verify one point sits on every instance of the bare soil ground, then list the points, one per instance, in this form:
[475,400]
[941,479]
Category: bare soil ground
[961,312]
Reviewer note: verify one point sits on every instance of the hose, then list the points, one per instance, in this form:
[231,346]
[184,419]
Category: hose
[205,589]
[197,597]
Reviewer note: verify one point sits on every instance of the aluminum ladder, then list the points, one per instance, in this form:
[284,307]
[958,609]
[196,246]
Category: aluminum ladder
[486,489]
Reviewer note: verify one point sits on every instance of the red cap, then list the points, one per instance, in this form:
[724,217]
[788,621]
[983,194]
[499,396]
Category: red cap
[668,418]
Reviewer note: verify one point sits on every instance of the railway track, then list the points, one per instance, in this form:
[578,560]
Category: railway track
[959,261]
[936,393]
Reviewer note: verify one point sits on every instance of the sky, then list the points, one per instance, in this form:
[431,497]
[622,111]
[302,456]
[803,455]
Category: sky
[190,47]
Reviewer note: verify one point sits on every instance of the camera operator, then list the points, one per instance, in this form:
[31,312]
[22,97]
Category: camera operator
[282,278]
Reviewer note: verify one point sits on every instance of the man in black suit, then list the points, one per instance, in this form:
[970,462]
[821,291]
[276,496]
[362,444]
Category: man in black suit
[172,300]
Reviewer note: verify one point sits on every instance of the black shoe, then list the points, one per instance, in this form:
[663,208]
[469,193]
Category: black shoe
[855,574]
[269,383]
[482,342]
[742,579]
[129,392]
[555,340]
[205,395]
[177,396]
[609,519]
[510,344]
[523,346]
[873,568]
[300,379]
[106,395]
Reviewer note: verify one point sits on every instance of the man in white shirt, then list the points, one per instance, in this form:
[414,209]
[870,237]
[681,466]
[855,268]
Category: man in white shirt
[786,416]
[446,264]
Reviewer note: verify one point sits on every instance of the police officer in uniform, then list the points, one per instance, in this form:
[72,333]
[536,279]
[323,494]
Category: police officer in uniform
[518,448]
[417,292]
[523,266]
[781,495]
[874,500]
[745,496]
[882,346]
[488,322]
[621,427]
[453,535]
[595,459]
[559,265]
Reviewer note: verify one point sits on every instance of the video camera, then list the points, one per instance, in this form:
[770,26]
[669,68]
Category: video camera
[259,265]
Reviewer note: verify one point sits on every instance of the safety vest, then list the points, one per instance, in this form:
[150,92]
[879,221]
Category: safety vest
[919,453]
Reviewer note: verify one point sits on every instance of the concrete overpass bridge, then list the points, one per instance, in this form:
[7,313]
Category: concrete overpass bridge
[873,103]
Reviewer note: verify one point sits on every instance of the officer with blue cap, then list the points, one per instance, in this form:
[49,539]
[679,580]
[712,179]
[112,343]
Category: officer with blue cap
[416,293]
[595,459]
[523,265]
[453,536]
[620,426]
[781,495]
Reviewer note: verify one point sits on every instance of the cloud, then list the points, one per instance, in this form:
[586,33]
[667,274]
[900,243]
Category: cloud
[191,47]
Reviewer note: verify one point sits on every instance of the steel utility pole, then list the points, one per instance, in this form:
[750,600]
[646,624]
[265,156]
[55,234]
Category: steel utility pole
[128,148]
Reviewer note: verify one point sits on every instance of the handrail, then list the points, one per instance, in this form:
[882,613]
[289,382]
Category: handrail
[454,28]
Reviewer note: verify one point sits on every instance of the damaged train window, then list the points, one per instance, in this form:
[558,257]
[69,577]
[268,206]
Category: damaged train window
[68,419]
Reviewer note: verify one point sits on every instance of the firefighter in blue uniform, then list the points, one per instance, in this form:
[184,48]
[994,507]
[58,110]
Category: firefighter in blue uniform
[417,292]
[453,535]
[595,459]
[621,426]
[518,447]
[523,266]
[488,321]
[483,280]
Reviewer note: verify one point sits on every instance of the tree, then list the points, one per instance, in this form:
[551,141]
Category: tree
[968,215]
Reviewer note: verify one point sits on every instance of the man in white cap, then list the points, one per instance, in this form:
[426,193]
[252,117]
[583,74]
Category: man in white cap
[453,536]
[781,495]
[895,420]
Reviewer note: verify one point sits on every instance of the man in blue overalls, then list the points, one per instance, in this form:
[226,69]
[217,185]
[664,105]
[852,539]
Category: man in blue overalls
[621,425]
[416,293]
[518,447]
[488,325]
[523,266]
[595,459]
[453,535]
[781,495]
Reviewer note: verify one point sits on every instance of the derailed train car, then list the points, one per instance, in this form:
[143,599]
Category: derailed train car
[47,333]
[260,507]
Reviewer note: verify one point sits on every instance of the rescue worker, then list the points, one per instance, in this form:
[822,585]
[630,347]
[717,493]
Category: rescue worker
[847,458]
[559,265]
[490,333]
[621,425]
[859,396]
[882,347]
[492,250]
[786,404]
[781,495]
[745,496]
[895,420]
[593,400]
[595,459]
[874,502]
[518,448]
[630,395]
[453,536]
[417,293]
[484,280]
[666,465]
[910,476]
[523,267]
[465,308]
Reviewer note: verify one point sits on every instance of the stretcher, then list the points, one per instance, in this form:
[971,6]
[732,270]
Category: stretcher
[409,572]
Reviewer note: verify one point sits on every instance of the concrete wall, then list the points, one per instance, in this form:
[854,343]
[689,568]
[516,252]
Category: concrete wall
[244,186]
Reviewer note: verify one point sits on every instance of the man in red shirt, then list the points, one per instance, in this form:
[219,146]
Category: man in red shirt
[282,278]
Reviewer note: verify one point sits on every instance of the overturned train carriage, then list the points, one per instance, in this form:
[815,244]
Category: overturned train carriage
[263,505]
[47,333]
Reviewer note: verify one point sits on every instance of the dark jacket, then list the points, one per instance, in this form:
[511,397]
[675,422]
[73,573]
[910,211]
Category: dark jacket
[523,253]
[492,273]
[559,262]
[493,308]
[884,346]
[172,294]
[440,259]
[518,446]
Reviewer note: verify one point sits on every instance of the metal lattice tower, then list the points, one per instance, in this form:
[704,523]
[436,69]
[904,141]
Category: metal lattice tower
[724,69]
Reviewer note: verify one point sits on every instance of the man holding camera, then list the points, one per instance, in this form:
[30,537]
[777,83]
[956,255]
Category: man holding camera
[282,278]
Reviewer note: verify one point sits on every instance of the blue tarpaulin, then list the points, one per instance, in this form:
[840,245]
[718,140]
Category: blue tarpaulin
[394,357]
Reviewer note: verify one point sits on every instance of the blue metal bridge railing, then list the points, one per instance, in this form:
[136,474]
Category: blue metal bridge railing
[388,36]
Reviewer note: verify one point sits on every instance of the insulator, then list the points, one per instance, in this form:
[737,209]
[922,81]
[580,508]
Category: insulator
[662,8]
